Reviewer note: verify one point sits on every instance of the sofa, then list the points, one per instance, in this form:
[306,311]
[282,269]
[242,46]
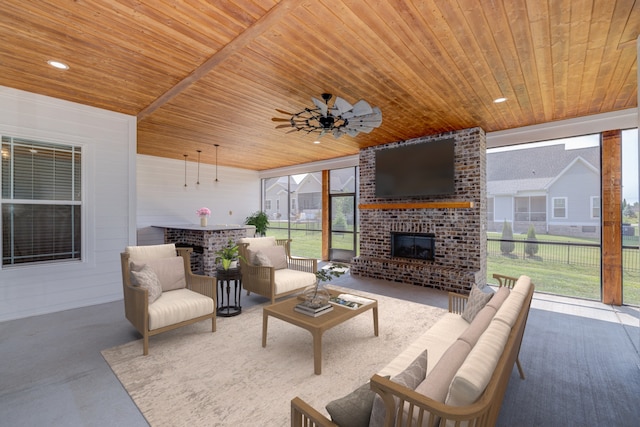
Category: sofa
[455,374]
[268,269]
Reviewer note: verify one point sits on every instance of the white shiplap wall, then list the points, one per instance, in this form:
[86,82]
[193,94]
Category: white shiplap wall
[108,142]
[163,199]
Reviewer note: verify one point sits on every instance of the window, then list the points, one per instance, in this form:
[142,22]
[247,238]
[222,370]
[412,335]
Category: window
[595,207]
[490,209]
[559,207]
[530,209]
[41,202]
[267,205]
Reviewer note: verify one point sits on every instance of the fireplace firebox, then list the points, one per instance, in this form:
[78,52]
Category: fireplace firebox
[413,245]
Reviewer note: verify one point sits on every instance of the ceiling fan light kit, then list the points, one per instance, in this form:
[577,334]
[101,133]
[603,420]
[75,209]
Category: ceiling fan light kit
[339,118]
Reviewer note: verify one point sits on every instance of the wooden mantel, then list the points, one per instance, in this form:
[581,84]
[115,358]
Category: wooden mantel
[417,205]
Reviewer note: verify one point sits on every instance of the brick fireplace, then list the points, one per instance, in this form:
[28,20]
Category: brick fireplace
[457,222]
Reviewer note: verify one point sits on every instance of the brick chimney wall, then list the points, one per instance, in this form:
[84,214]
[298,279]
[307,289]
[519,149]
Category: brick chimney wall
[461,244]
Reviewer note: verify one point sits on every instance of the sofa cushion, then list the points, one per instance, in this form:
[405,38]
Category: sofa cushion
[287,280]
[436,384]
[522,286]
[500,296]
[170,271]
[177,306]
[256,243]
[277,256]
[476,302]
[147,279]
[411,377]
[437,339]
[143,253]
[478,326]
[354,409]
[510,309]
[476,371]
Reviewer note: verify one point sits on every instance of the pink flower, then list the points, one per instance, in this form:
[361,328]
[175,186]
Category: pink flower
[203,212]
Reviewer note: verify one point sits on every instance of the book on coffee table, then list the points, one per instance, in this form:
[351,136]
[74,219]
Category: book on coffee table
[314,312]
[350,301]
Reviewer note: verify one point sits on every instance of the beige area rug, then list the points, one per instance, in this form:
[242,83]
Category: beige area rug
[192,377]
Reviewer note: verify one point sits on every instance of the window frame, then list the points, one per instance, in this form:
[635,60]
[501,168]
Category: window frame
[74,182]
[565,207]
[594,206]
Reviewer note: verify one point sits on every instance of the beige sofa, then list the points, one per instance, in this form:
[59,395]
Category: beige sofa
[460,379]
[268,269]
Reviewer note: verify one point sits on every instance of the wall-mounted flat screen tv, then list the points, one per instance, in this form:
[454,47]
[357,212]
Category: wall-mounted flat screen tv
[423,169]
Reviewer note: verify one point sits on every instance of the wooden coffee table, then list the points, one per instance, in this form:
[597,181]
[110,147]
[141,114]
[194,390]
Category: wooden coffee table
[316,325]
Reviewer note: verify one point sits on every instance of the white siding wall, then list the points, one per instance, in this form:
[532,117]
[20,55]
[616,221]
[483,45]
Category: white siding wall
[163,199]
[108,146]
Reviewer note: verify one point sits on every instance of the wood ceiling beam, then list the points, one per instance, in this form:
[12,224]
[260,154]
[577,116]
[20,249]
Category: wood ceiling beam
[272,17]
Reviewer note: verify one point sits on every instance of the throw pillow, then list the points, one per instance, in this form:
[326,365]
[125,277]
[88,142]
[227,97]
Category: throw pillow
[411,377]
[259,258]
[476,302]
[147,279]
[277,256]
[170,271]
[354,409]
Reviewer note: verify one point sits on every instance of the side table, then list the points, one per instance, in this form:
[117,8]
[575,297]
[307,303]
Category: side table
[225,277]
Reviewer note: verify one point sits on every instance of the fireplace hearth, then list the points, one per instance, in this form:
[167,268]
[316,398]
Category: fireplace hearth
[413,245]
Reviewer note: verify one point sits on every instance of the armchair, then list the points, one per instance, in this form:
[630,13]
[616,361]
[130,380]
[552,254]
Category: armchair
[269,270]
[167,297]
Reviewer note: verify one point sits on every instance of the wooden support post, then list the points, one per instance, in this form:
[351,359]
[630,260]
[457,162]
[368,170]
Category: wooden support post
[326,215]
[612,217]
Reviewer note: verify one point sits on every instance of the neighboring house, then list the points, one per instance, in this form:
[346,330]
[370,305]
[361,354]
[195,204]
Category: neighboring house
[555,189]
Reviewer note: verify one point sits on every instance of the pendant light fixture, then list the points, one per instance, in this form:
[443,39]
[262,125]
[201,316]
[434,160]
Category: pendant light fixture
[216,145]
[185,171]
[198,181]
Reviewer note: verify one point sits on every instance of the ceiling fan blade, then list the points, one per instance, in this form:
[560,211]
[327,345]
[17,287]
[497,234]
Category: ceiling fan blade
[360,108]
[283,126]
[284,112]
[279,119]
[321,106]
[342,106]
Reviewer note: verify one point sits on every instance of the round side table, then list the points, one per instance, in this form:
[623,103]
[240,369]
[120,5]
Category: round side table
[224,277]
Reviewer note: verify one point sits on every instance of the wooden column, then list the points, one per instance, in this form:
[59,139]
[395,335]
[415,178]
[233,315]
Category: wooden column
[326,214]
[612,217]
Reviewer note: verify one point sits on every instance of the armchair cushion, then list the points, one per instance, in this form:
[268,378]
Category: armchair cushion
[147,279]
[256,243]
[142,253]
[288,280]
[177,306]
[170,271]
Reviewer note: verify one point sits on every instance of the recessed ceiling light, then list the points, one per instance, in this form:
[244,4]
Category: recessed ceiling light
[57,64]
[499,100]
[316,142]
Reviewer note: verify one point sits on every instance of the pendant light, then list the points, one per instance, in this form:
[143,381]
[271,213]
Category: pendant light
[216,145]
[185,171]
[198,181]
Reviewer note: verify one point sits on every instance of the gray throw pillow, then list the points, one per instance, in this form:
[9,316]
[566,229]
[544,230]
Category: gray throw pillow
[410,378]
[476,302]
[354,409]
[146,278]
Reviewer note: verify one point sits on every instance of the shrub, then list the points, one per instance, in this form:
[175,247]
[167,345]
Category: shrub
[531,247]
[507,234]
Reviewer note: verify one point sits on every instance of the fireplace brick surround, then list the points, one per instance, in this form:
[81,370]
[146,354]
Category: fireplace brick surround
[461,245]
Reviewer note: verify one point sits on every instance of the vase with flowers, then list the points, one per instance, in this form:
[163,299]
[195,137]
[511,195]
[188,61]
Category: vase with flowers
[203,213]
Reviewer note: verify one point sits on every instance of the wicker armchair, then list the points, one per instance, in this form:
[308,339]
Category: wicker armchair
[174,308]
[271,282]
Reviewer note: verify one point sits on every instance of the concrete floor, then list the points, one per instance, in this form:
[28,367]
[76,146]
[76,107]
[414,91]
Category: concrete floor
[52,372]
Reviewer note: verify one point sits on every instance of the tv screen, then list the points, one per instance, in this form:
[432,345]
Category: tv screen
[424,169]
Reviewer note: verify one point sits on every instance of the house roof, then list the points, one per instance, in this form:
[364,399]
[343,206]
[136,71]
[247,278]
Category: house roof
[200,73]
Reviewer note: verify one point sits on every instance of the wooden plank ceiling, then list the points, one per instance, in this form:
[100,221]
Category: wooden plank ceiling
[200,72]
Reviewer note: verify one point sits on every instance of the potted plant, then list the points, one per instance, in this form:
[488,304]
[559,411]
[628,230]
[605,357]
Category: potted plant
[260,220]
[317,296]
[228,254]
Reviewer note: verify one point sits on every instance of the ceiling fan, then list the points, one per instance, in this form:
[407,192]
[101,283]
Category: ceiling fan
[340,118]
